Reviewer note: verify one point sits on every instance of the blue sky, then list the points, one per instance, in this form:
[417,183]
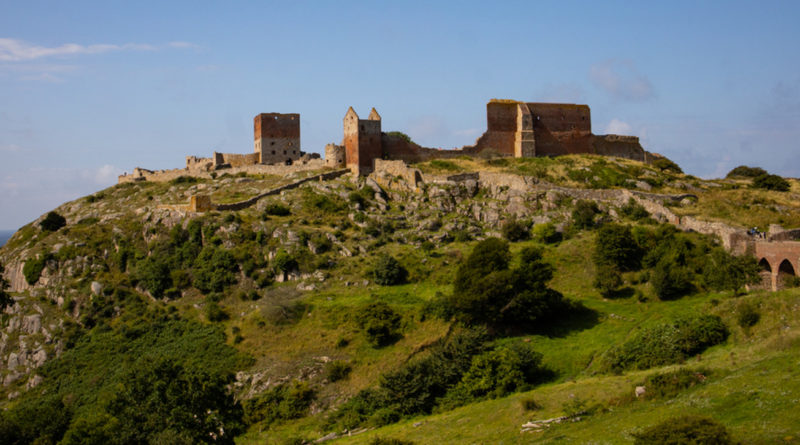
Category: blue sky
[91,89]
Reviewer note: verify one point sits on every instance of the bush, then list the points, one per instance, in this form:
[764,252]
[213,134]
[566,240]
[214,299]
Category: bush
[514,230]
[283,402]
[388,271]
[154,274]
[399,135]
[668,343]
[584,213]
[380,323]
[665,164]
[215,269]
[214,312]
[747,172]
[337,370]
[52,222]
[771,182]
[690,429]
[616,246]
[546,233]
[607,280]
[670,280]
[284,262]
[501,371]
[669,384]
[275,209]
[748,315]
[723,271]
[5,298]
[634,210]
[33,268]
[486,291]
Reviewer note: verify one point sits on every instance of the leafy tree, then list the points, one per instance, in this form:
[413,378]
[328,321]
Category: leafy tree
[723,271]
[154,274]
[771,182]
[283,402]
[546,233]
[748,172]
[670,280]
[41,420]
[584,213]
[284,262]
[616,246]
[52,222]
[486,291]
[665,164]
[388,271]
[5,297]
[514,230]
[33,267]
[501,371]
[691,429]
[607,280]
[380,323]
[166,400]
[634,210]
[215,269]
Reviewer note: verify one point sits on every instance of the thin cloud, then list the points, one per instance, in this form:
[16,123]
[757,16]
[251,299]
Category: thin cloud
[617,126]
[15,50]
[622,80]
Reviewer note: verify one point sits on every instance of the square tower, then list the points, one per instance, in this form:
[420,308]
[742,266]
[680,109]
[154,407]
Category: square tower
[362,141]
[277,137]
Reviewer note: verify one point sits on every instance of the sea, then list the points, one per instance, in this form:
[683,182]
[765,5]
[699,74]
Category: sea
[5,235]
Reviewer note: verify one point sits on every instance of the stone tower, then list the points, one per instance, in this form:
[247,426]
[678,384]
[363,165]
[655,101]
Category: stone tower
[277,137]
[362,141]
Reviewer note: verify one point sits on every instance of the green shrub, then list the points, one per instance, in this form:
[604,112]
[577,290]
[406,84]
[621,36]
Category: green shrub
[275,209]
[501,371]
[400,135]
[444,165]
[361,196]
[690,429]
[380,324]
[33,268]
[388,271]
[284,262]
[747,172]
[154,274]
[670,280]
[668,343]
[5,297]
[607,280]
[616,246]
[669,384]
[634,210]
[747,315]
[771,182]
[514,230]
[486,291]
[723,271]
[52,222]
[327,203]
[215,269]
[283,402]
[583,214]
[665,164]
[462,236]
[546,233]
[337,370]
[389,441]
[184,180]
[214,312]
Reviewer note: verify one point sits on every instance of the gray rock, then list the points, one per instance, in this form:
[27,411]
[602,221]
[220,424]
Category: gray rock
[32,324]
[97,287]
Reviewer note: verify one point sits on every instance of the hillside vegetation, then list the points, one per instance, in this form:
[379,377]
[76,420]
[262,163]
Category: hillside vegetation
[364,313]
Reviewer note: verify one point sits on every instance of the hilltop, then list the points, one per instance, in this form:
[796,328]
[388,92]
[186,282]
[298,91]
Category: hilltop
[304,298]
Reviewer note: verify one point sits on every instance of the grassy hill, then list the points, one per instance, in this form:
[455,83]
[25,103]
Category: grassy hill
[273,299]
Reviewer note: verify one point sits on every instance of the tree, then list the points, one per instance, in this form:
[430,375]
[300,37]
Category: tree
[771,182]
[584,213]
[748,172]
[388,271]
[723,271]
[685,430]
[616,246]
[607,280]
[670,280]
[214,269]
[52,222]
[665,164]
[167,402]
[5,298]
[514,230]
[154,275]
[486,291]
[380,323]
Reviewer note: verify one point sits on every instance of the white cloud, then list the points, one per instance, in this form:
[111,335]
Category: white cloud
[622,80]
[106,174]
[617,126]
[15,50]
[9,148]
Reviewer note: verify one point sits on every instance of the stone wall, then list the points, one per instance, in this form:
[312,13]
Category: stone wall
[620,146]
[335,156]
[236,160]
[141,174]
[362,141]
[201,164]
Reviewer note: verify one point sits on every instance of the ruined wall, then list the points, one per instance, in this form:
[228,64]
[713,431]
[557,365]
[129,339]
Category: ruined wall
[277,137]
[201,164]
[397,147]
[559,118]
[140,174]
[335,156]
[235,159]
[620,146]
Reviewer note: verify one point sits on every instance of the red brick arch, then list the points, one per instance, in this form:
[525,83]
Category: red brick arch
[780,259]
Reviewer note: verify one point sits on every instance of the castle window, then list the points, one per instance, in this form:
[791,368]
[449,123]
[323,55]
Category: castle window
[273,151]
[284,151]
[272,143]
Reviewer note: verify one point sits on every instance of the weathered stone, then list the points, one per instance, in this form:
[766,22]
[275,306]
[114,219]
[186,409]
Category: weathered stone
[97,288]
